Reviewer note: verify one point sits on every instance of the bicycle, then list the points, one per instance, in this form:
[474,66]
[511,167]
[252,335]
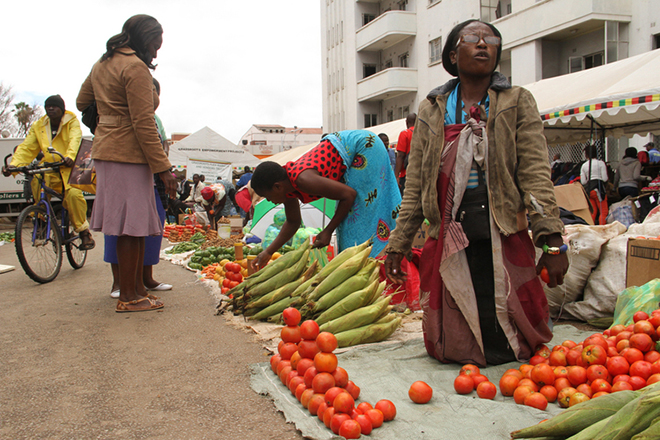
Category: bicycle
[39,235]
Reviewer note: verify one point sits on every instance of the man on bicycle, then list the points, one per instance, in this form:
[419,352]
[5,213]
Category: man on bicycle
[60,129]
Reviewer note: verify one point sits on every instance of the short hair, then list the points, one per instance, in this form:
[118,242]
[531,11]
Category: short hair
[384,137]
[266,175]
[630,152]
[137,32]
[195,175]
[246,169]
[452,41]
[157,85]
[591,151]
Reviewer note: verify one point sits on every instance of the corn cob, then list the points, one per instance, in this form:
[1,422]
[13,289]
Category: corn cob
[579,417]
[590,432]
[279,280]
[340,259]
[367,334]
[356,282]
[275,295]
[285,261]
[283,291]
[353,301]
[386,316]
[632,419]
[349,268]
[357,318]
[274,309]
[650,433]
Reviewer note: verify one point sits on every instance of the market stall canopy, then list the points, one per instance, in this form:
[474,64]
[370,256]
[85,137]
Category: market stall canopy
[207,145]
[623,98]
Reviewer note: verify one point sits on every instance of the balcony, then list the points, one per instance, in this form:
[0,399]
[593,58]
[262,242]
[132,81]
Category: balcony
[387,30]
[560,19]
[387,84]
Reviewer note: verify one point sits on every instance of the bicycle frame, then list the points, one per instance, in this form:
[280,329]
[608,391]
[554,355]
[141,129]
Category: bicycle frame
[43,200]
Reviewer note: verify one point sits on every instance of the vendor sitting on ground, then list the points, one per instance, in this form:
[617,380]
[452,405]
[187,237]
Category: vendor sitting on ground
[351,167]
[214,199]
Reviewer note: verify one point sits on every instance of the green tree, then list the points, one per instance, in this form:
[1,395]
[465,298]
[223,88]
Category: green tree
[26,115]
[6,121]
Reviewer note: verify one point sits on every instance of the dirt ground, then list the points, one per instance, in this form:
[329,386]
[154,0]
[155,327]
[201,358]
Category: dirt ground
[73,368]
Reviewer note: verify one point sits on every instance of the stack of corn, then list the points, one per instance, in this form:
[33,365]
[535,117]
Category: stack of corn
[622,415]
[344,297]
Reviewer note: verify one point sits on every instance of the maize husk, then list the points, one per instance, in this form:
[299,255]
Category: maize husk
[274,309]
[343,256]
[579,417]
[279,280]
[276,295]
[356,282]
[349,268]
[590,432]
[274,267]
[367,334]
[650,433]
[355,300]
[387,316]
[632,419]
[357,318]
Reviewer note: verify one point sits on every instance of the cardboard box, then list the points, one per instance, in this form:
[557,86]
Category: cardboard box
[181,219]
[421,236]
[573,198]
[643,262]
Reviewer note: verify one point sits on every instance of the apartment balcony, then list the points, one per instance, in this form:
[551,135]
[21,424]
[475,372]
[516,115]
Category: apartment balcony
[560,19]
[387,84]
[386,30]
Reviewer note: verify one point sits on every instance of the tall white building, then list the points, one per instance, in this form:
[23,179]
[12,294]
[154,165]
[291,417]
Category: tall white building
[381,57]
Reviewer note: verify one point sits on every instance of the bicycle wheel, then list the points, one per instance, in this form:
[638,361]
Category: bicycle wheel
[39,249]
[74,254]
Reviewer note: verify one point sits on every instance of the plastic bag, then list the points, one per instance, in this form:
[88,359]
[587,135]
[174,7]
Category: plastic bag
[622,212]
[270,235]
[303,235]
[645,298]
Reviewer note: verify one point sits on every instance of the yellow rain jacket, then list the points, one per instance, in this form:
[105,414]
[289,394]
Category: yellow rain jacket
[67,142]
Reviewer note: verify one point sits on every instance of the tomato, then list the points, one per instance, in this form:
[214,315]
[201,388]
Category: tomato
[486,390]
[225,283]
[577,398]
[577,375]
[307,348]
[353,389]
[387,408]
[304,364]
[469,369]
[309,376]
[617,365]
[621,385]
[274,360]
[596,339]
[420,392]
[564,396]
[327,342]
[287,350]
[632,355]
[309,330]
[233,284]
[295,358]
[653,379]
[327,416]
[375,416]
[594,355]
[544,275]
[290,333]
[601,385]
[341,377]
[508,384]
[536,400]
[642,342]
[478,378]
[550,393]
[543,374]
[521,392]
[322,382]
[364,407]
[350,429]
[585,389]
[637,382]
[291,316]
[343,403]
[644,326]
[463,384]
[314,403]
[597,372]
[295,382]
[325,362]
[558,359]
[337,420]
[365,424]
[640,368]
[299,390]
[640,316]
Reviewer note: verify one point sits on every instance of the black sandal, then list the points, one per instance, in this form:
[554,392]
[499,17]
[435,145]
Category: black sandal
[87,242]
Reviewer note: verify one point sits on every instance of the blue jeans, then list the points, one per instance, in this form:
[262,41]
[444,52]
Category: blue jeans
[628,191]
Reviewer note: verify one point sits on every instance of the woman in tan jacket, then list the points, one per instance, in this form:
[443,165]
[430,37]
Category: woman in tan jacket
[478,162]
[127,151]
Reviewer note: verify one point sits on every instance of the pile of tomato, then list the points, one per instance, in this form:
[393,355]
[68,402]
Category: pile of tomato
[306,364]
[620,358]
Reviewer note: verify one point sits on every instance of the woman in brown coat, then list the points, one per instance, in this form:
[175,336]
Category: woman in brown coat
[127,151]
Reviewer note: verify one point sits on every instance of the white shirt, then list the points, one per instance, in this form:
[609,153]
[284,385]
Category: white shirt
[598,171]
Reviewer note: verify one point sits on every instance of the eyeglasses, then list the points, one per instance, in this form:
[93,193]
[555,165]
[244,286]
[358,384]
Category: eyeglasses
[474,39]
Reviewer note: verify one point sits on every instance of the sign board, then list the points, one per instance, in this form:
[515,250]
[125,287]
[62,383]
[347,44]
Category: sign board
[211,169]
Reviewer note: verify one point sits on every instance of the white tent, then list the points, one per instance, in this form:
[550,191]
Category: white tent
[208,146]
[621,98]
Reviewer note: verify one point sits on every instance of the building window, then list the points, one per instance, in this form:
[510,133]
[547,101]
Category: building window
[574,64]
[370,120]
[366,18]
[403,60]
[435,50]
[390,115]
[656,41]
[402,5]
[368,70]
[489,10]
[593,60]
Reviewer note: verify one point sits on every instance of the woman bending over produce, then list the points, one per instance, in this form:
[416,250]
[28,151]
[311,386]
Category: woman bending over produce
[351,167]
[478,161]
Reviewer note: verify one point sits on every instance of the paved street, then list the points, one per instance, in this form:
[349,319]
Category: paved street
[72,368]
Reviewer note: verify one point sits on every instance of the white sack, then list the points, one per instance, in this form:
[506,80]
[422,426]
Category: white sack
[584,246]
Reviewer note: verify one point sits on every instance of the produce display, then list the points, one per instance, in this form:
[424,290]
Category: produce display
[345,296]
[7,236]
[306,365]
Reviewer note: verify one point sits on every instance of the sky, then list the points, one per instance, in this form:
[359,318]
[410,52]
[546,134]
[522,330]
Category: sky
[223,64]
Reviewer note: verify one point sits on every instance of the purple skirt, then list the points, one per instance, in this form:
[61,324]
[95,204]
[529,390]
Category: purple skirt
[125,202]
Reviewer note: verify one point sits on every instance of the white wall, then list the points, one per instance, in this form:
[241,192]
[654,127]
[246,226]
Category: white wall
[526,63]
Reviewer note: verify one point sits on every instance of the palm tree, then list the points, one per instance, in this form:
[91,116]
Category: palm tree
[26,115]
